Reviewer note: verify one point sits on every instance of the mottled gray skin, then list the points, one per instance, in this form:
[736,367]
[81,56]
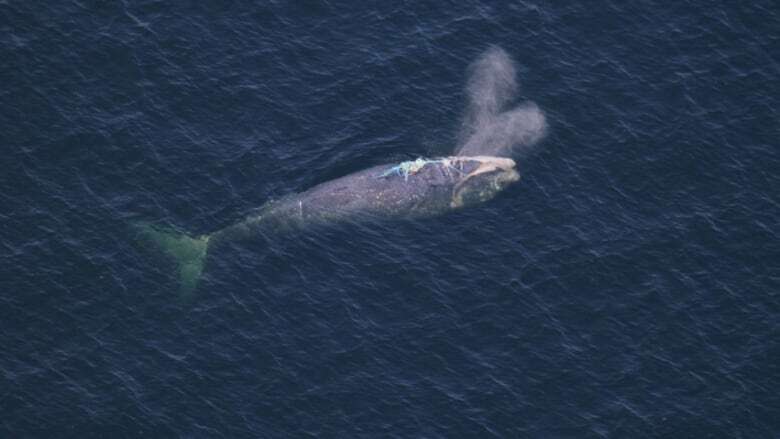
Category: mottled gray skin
[382,191]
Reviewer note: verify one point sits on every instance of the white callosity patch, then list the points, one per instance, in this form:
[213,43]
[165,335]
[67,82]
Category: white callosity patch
[488,128]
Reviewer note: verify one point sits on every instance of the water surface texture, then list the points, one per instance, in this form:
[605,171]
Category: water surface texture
[627,286]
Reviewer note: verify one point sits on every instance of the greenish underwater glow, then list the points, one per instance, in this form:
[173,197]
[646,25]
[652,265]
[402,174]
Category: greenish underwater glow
[189,253]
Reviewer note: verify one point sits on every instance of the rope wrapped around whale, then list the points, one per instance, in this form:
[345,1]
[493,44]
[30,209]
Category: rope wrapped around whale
[411,167]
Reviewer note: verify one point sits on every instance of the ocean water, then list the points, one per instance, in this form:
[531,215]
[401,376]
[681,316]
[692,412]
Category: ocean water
[627,286]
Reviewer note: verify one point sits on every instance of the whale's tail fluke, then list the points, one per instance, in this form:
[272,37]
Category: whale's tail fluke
[188,252]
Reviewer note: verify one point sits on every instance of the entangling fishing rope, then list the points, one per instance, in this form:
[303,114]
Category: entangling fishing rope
[413,166]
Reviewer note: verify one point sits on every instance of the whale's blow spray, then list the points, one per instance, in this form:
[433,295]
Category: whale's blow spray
[488,128]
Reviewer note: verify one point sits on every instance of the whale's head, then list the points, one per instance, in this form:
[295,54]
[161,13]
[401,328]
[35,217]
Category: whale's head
[486,176]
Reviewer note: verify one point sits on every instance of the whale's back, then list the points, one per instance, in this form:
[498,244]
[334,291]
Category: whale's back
[385,190]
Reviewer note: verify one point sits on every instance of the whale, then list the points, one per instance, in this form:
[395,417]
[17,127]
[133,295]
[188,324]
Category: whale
[480,168]
[419,188]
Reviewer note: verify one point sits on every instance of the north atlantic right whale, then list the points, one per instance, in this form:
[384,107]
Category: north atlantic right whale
[412,189]
[479,170]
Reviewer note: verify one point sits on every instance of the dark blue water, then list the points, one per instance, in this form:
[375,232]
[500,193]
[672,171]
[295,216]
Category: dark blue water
[628,286]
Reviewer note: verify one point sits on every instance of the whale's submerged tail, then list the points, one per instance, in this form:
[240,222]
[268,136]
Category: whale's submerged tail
[188,252]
